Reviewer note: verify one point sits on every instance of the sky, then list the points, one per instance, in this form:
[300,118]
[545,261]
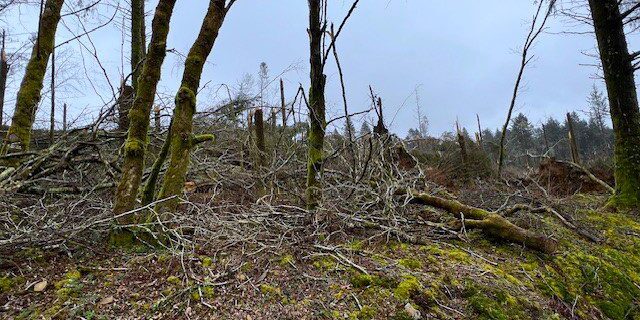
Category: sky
[461,58]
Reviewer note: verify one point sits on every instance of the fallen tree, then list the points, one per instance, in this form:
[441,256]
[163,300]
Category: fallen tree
[490,223]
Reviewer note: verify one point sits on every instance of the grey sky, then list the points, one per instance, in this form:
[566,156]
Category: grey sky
[462,55]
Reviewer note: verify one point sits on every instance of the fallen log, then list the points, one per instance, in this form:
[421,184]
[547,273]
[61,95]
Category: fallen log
[490,223]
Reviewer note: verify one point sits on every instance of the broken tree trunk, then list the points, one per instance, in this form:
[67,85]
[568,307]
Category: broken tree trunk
[490,223]
[136,144]
[575,154]
[283,105]
[4,72]
[182,138]
[258,119]
[316,105]
[29,94]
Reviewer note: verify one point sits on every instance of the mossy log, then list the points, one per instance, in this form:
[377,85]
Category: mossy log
[490,223]
[19,134]
[182,139]
[139,115]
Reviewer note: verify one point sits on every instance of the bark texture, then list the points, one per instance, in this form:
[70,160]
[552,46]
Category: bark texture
[623,99]
[182,138]
[136,143]
[316,107]
[138,40]
[19,134]
[490,223]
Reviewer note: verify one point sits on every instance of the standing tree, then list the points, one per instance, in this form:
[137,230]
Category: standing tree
[617,64]
[4,73]
[317,118]
[29,94]
[139,115]
[138,40]
[181,135]
[537,26]
[316,105]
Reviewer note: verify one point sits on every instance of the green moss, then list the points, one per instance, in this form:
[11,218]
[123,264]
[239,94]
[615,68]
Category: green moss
[207,262]
[286,260]
[361,280]
[6,284]
[173,280]
[324,263]
[70,286]
[366,313]
[411,264]
[406,287]
[271,291]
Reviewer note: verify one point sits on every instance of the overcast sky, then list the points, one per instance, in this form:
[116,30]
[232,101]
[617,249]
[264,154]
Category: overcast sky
[462,56]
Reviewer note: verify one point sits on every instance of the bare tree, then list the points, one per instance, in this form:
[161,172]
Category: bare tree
[537,26]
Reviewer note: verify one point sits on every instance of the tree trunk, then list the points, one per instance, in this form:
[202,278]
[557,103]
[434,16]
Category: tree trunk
[283,105]
[4,72]
[490,223]
[316,107]
[136,143]
[52,124]
[575,153]
[623,99]
[258,120]
[138,40]
[182,138]
[29,94]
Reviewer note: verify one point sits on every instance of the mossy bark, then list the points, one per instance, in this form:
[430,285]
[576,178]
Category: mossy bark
[490,223]
[149,193]
[182,138]
[138,40]
[623,99]
[136,143]
[315,138]
[29,94]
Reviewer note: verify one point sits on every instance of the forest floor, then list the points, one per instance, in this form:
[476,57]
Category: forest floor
[360,275]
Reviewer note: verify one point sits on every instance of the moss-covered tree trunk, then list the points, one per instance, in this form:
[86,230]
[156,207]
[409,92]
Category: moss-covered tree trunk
[136,143]
[138,40]
[182,138]
[623,98]
[4,72]
[29,94]
[317,122]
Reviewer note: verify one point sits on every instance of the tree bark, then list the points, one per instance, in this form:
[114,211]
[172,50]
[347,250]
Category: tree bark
[138,40]
[575,152]
[623,99]
[258,120]
[4,72]
[316,107]
[136,143]
[182,138]
[29,94]
[490,223]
